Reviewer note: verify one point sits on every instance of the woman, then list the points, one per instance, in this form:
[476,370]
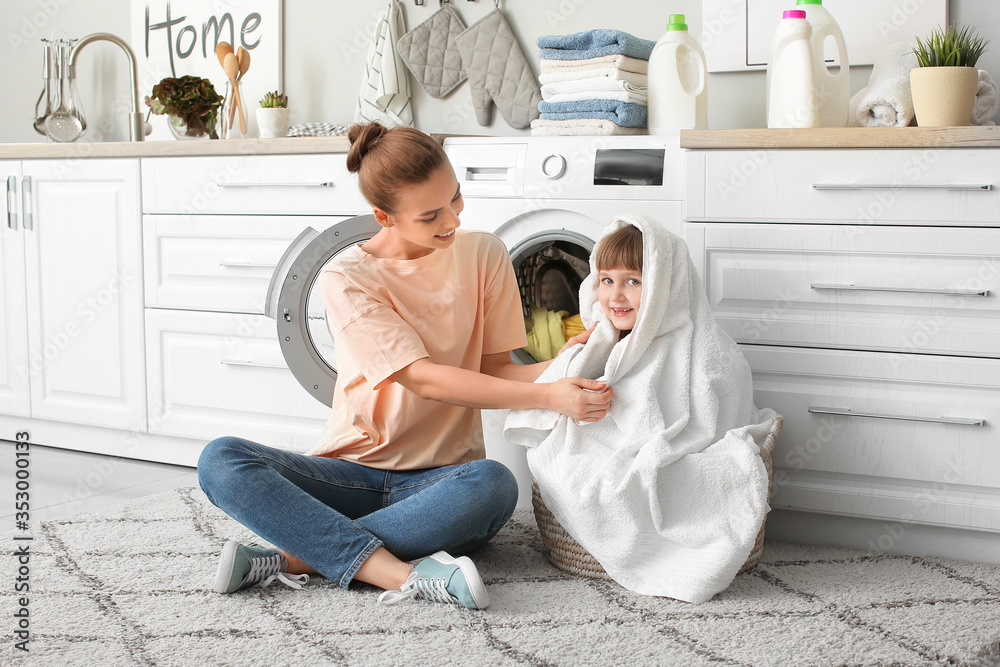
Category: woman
[424,318]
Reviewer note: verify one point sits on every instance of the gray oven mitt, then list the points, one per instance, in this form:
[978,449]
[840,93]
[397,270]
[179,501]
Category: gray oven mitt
[430,53]
[499,72]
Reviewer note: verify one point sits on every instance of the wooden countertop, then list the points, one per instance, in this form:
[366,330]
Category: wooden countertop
[845,137]
[112,149]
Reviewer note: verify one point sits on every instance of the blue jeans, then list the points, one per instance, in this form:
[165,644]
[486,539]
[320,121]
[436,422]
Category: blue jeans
[333,514]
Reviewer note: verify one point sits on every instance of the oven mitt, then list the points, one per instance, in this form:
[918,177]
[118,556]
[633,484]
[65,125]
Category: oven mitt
[430,53]
[499,72]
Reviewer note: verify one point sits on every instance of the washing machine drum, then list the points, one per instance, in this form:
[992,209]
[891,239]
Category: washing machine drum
[294,302]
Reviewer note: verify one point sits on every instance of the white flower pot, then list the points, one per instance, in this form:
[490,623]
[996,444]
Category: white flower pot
[274,122]
[943,96]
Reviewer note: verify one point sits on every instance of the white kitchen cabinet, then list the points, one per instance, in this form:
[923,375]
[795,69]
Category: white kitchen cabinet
[223,374]
[14,399]
[82,286]
[214,230]
[864,288]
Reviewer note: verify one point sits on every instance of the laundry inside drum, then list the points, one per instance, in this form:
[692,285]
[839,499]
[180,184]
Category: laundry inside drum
[549,274]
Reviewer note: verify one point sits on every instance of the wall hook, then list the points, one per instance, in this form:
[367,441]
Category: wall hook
[418,3]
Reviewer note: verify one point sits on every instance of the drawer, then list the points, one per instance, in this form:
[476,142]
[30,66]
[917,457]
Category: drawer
[933,426]
[943,186]
[313,184]
[215,374]
[219,263]
[900,289]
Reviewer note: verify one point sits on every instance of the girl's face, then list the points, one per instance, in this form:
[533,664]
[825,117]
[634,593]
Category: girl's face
[427,215]
[619,291]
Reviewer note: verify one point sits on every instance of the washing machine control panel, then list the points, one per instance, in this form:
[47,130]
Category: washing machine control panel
[547,168]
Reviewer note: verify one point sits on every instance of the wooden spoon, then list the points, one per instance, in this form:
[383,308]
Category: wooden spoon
[243,56]
[221,49]
[232,67]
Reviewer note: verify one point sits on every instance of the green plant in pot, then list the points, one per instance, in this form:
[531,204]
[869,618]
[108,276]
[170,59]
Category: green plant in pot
[272,116]
[191,104]
[945,82]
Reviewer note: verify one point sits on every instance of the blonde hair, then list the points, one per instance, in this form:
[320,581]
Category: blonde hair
[621,249]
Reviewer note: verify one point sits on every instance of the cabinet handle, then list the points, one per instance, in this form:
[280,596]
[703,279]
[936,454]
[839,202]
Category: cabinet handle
[326,184]
[903,186]
[246,362]
[961,421]
[12,202]
[247,265]
[26,202]
[911,290]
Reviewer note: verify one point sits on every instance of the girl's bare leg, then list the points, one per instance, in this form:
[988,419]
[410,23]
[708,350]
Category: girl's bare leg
[382,569]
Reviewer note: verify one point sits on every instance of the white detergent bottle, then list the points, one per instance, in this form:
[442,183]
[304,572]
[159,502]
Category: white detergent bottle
[678,81]
[833,91]
[790,88]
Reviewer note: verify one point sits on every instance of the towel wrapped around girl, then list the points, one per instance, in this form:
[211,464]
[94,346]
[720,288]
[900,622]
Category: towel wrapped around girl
[668,491]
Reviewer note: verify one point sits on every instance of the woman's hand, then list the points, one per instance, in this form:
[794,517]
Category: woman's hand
[579,339]
[581,399]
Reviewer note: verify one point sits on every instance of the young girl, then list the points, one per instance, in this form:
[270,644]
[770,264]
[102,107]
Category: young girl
[619,273]
[424,318]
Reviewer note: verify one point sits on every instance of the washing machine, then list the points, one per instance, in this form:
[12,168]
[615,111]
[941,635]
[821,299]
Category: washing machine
[547,198]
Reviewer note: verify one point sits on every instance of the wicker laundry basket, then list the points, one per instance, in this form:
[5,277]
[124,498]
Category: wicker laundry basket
[566,553]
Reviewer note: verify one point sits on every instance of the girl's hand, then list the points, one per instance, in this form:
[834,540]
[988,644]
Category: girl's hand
[580,339]
[581,399]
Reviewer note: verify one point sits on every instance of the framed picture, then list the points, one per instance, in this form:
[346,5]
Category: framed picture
[736,34]
[173,38]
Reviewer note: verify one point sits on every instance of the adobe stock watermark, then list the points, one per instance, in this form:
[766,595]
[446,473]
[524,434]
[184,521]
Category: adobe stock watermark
[56,341]
[922,504]
[33,22]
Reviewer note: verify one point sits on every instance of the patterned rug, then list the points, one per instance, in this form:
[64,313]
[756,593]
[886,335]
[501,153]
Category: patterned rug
[131,586]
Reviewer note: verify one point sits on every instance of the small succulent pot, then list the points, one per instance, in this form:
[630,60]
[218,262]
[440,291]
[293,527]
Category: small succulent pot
[943,96]
[272,122]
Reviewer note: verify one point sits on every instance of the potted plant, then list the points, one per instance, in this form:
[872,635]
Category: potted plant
[191,104]
[945,83]
[272,116]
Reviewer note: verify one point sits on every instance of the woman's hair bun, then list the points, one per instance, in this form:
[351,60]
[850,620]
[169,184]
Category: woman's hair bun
[362,137]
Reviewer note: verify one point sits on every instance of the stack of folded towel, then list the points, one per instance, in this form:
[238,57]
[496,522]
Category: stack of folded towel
[593,83]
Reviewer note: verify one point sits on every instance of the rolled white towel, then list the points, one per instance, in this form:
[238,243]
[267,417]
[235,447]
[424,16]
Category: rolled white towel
[987,100]
[887,102]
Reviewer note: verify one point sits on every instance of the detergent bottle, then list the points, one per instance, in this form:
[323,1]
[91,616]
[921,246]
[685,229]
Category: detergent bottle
[678,81]
[791,99]
[833,91]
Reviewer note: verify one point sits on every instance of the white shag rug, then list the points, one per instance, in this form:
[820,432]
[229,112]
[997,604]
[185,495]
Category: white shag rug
[132,586]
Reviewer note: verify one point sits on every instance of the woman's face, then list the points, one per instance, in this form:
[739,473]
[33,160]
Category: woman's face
[427,214]
[619,292]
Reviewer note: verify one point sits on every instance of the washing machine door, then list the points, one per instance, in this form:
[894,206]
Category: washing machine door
[296,305]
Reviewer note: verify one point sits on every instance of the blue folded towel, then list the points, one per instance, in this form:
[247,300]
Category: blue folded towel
[624,114]
[593,44]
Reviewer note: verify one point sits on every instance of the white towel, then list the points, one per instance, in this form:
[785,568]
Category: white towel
[886,101]
[609,73]
[581,127]
[617,61]
[987,102]
[636,97]
[385,89]
[668,491]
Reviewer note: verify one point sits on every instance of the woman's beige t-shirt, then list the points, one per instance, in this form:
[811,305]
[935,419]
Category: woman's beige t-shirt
[451,306]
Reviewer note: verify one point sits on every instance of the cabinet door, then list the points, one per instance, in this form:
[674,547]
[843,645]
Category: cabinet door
[14,364]
[84,286]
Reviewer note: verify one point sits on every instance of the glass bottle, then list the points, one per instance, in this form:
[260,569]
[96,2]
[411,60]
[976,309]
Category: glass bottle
[229,124]
[67,122]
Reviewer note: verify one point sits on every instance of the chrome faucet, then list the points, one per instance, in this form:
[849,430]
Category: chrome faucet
[136,123]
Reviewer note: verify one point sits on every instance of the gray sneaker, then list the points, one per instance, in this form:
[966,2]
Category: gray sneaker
[244,565]
[442,578]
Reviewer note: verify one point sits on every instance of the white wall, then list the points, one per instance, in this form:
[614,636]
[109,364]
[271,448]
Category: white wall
[325,43]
